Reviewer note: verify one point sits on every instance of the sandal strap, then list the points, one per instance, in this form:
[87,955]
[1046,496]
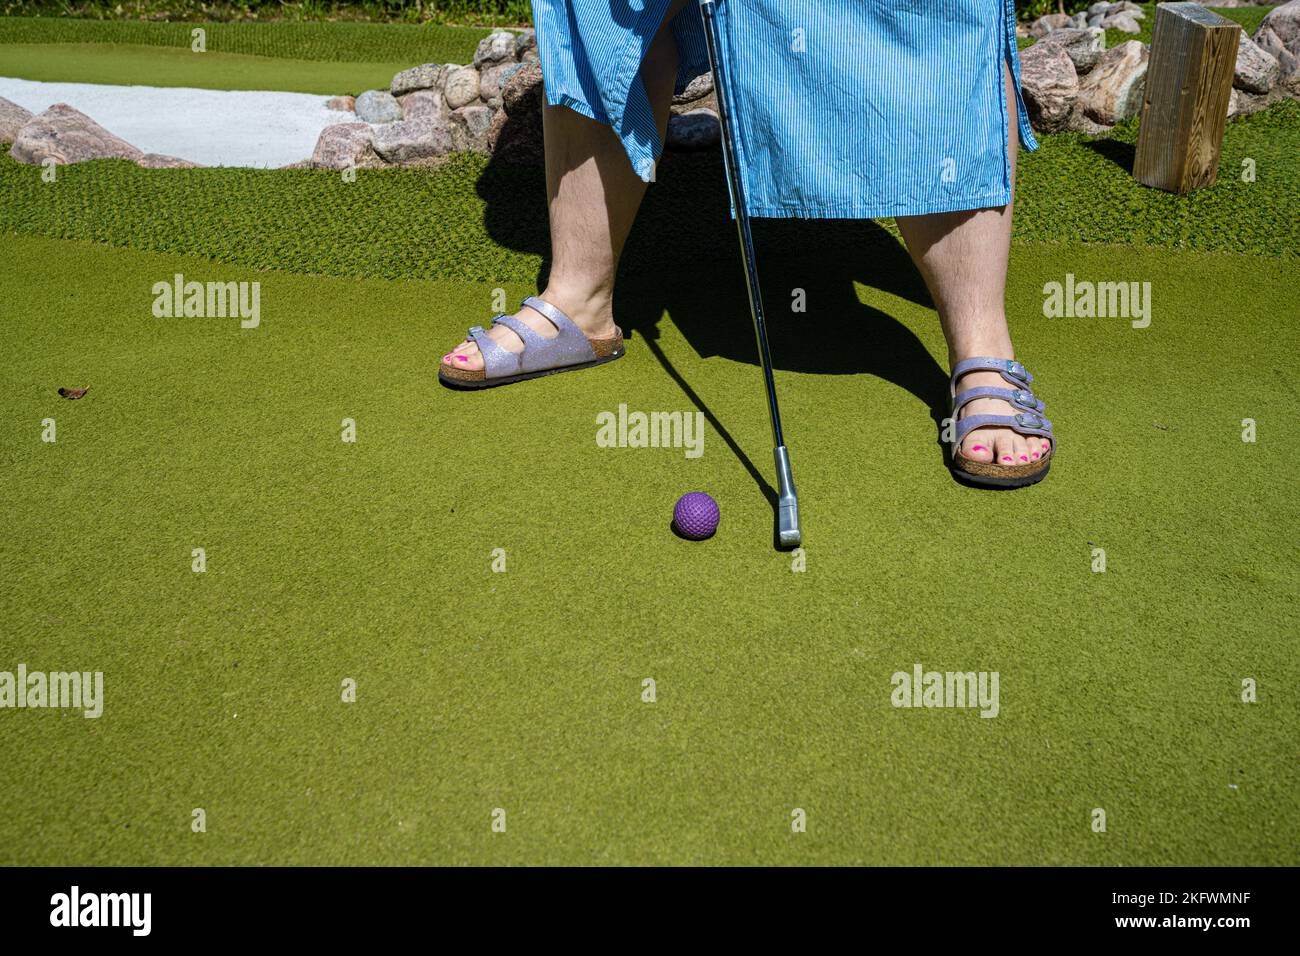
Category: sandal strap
[1022,423]
[497,361]
[529,336]
[1012,371]
[569,346]
[1020,398]
[557,316]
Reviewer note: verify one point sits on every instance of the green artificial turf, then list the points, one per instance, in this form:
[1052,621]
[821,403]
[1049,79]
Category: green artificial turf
[163,66]
[481,221]
[339,42]
[523,690]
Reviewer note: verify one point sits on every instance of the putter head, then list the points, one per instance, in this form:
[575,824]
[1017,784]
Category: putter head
[788,533]
[787,523]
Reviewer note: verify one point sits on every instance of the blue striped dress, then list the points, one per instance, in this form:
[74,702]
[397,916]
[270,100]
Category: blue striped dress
[845,108]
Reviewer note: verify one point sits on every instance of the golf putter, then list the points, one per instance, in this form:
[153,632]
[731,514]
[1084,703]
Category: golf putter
[787,514]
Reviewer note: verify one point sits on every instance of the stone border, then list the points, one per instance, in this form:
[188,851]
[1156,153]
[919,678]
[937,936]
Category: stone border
[1071,82]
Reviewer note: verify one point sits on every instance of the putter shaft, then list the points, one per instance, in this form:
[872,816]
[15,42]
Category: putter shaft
[788,532]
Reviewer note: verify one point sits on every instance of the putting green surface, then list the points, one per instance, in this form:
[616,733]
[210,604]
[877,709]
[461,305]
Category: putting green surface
[337,41]
[327,58]
[166,66]
[523,690]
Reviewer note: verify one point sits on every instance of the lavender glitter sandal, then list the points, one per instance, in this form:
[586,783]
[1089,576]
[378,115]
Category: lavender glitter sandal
[542,355]
[1028,420]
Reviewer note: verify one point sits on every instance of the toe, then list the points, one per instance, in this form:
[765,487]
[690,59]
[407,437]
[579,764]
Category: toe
[1004,448]
[977,447]
[1022,450]
[464,356]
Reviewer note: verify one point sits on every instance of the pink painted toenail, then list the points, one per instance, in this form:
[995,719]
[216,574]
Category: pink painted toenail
[978,448]
[1023,458]
[461,358]
[1007,458]
[1034,455]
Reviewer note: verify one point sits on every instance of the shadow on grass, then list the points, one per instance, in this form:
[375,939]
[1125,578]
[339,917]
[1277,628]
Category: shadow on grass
[683,258]
[1120,153]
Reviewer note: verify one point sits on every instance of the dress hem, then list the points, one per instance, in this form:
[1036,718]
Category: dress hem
[889,211]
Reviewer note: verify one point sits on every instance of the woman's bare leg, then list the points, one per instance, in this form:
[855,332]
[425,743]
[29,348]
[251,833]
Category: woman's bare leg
[963,257]
[593,195]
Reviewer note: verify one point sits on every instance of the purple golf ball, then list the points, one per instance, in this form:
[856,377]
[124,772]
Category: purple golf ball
[696,515]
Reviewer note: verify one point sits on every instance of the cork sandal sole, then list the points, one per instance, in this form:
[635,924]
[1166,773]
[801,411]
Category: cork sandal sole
[607,350]
[989,475]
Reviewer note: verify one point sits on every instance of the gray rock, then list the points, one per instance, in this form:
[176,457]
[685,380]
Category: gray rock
[378,106]
[159,161]
[426,76]
[1289,79]
[1084,47]
[1095,22]
[508,70]
[1257,69]
[525,43]
[1049,84]
[695,130]
[471,125]
[66,135]
[1078,122]
[343,145]
[12,118]
[1280,30]
[460,87]
[1112,90]
[515,137]
[423,105]
[521,96]
[408,141]
[1241,103]
[696,89]
[1078,21]
[709,102]
[494,48]
[1123,22]
[518,142]
[1049,22]
[342,104]
[1098,8]
[490,79]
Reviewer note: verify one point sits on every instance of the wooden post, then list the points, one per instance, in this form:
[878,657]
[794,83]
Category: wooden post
[1188,83]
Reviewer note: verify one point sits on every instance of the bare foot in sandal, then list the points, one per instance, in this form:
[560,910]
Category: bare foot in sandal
[467,356]
[537,340]
[1001,437]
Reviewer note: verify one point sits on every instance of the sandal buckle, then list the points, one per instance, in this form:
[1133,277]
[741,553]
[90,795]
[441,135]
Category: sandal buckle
[1026,420]
[1027,400]
[1017,371]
